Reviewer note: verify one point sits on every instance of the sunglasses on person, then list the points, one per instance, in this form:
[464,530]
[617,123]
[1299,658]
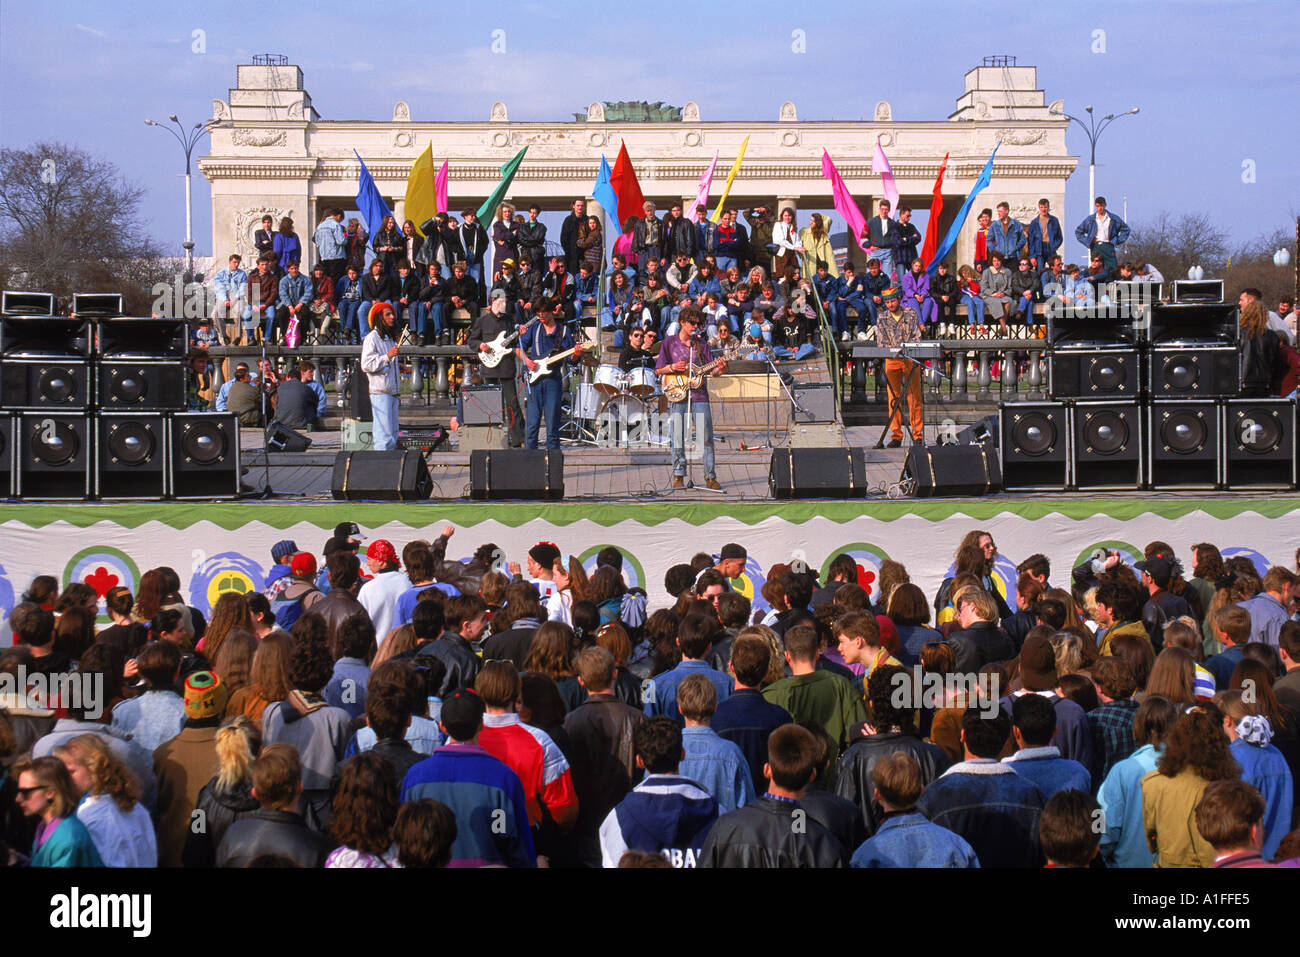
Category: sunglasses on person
[25,793]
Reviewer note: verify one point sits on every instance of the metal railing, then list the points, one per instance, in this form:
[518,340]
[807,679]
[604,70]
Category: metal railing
[974,371]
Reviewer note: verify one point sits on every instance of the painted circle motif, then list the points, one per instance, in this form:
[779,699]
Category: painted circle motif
[750,583]
[1259,561]
[868,558]
[1131,554]
[7,601]
[102,568]
[633,570]
[226,572]
[1004,575]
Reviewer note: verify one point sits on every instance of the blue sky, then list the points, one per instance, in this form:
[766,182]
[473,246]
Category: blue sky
[1216,81]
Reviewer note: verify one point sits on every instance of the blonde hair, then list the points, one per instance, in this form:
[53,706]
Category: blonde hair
[238,742]
[776,663]
[108,773]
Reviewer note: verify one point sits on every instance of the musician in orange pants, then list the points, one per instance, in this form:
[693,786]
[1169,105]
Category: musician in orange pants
[894,326]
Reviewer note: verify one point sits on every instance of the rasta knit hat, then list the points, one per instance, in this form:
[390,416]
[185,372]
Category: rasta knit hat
[377,310]
[205,696]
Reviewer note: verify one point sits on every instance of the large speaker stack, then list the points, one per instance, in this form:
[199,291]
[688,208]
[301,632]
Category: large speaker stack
[95,407]
[1145,395]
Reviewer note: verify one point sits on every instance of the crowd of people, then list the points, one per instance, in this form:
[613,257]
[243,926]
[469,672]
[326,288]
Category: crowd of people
[382,710]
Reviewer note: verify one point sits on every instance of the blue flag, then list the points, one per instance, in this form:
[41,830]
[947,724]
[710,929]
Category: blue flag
[603,191]
[985,177]
[369,202]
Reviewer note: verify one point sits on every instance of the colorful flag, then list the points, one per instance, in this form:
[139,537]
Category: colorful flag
[440,188]
[880,166]
[603,192]
[845,204]
[985,177]
[371,205]
[631,201]
[508,171]
[702,195]
[735,168]
[421,199]
[936,210]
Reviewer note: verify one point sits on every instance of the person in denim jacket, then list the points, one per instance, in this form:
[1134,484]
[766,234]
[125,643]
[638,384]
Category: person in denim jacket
[905,838]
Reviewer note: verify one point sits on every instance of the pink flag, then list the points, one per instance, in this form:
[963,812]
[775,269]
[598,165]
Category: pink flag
[702,196]
[440,188]
[845,204]
[880,166]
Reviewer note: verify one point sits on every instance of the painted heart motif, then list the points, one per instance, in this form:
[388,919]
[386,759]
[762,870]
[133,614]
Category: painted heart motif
[865,578]
[101,579]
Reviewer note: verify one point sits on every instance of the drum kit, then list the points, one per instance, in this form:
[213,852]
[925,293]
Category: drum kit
[616,407]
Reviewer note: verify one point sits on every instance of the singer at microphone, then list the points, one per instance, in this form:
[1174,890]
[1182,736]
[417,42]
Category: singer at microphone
[679,357]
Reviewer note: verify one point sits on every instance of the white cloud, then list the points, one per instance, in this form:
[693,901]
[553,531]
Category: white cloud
[91,30]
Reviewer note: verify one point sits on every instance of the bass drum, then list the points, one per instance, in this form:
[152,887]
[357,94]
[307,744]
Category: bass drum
[642,382]
[610,380]
[587,403]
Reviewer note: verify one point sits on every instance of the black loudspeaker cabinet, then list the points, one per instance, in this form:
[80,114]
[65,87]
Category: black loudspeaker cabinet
[395,476]
[516,474]
[1093,372]
[131,455]
[1259,443]
[45,336]
[143,338]
[817,473]
[141,385]
[1106,445]
[482,404]
[55,456]
[53,383]
[96,305]
[16,303]
[1035,446]
[281,438]
[7,456]
[356,395]
[1194,370]
[203,455]
[815,402]
[1194,321]
[941,470]
[1183,444]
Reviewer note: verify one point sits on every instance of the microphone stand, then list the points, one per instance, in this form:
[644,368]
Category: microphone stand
[267,491]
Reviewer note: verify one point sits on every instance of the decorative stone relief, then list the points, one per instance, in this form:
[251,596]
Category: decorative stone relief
[501,138]
[1058,106]
[403,138]
[498,113]
[692,138]
[220,111]
[248,220]
[598,139]
[884,113]
[1022,212]
[596,113]
[886,138]
[790,138]
[982,111]
[295,111]
[401,112]
[1021,137]
[788,114]
[258,137]
[691,112]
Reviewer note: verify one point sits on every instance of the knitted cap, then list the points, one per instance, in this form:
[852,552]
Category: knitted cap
[205,696]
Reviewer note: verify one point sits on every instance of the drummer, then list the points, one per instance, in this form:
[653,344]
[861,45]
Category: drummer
[635,354]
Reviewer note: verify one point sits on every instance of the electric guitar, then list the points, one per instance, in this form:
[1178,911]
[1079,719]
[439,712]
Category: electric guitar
[501,346]
[544,365]
[677,385]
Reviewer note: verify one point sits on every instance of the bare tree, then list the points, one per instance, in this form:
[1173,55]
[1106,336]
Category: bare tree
[1174,245]
[69,222]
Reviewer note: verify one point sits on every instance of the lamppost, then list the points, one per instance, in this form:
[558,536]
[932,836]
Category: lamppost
[188,138]
[1093,130]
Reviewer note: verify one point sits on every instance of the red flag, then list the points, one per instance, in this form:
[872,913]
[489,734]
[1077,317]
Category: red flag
[931,243]
[631,202]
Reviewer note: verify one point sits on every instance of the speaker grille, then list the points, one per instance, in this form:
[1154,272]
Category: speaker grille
[1105,432]
[1034,433]
[203,443]
[1107,373]
[55,442]
[1259,431]
[131,443]
[1184,431]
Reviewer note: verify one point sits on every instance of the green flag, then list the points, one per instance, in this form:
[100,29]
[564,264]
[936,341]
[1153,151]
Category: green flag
[507,175]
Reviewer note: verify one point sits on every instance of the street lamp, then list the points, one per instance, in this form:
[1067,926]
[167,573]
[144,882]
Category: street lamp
[1093,130]
[188,138]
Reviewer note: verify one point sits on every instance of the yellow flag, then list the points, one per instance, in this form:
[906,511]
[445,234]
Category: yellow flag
[421,199]
[735,168]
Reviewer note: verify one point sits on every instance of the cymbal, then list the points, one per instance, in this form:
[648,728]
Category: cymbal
[654,349]
[589,359]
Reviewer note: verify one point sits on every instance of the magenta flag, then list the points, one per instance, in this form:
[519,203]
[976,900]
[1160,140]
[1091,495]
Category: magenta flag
[702,195]
[845,204]
[440,188]
[880,166]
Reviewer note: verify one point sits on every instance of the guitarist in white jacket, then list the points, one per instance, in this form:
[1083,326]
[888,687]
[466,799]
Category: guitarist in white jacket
[542,340]
[685,354]
[486,328]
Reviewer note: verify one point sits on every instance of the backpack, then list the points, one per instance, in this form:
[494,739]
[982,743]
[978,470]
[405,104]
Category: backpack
[289,606]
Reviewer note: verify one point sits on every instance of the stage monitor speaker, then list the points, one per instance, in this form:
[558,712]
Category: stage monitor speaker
[1186,322]
[516,474]
[1107,445]
[381,476]
[142,385]
[281,438]
[941,470]
[131,455]
[1093,373]
[1195,370]
[1198,290]
[7,455]
[356,395]
[54,383]
[817,473]
[55,456]
[1259,443]
[97,305]
[482,404]
[14,303]
[983,432]
[143,338]
[203,452]
[1034,446]
[813,402]
[1183,444]
[33,336]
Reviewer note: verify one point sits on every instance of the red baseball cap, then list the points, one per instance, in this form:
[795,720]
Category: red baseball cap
[381,550]
[303,565]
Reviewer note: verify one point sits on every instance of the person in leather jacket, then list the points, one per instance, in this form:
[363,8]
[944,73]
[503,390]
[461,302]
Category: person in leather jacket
[276,829]
[890,729]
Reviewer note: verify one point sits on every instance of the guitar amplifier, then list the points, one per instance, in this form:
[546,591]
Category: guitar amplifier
[482,404]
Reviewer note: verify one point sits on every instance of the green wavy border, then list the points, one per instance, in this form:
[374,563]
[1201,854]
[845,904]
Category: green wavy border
[232,515]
